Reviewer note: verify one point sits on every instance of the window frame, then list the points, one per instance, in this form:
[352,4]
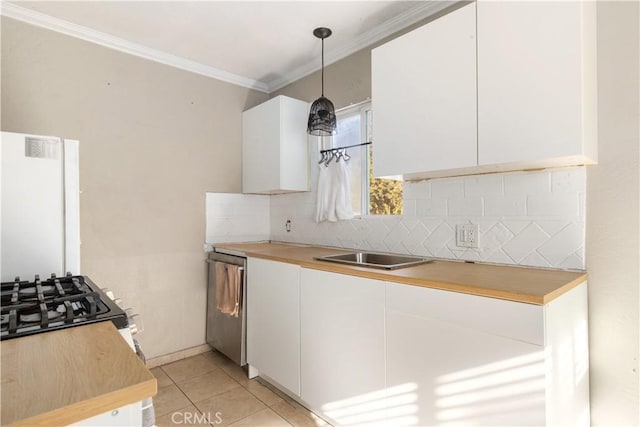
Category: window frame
[364,110]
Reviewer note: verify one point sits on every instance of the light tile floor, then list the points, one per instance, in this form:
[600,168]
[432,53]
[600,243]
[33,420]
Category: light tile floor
[209,389]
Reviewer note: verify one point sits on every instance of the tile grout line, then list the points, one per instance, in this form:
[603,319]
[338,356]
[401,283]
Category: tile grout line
[188,379]
[194,404]
[267,407]
[281,396]
[217,394]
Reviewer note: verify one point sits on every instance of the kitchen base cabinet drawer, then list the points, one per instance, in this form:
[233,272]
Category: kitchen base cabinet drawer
[510,319]
[126,416]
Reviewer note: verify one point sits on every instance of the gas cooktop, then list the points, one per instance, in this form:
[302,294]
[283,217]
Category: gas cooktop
[31,307]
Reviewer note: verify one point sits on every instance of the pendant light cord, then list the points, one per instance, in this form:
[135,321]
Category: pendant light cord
[323,66]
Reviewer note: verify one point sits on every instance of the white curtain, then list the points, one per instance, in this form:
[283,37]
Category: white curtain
[334,191]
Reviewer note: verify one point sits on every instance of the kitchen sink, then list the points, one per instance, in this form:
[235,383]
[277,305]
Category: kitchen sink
[375,260]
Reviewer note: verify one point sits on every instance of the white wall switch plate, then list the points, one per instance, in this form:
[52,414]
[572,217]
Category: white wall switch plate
[467,235]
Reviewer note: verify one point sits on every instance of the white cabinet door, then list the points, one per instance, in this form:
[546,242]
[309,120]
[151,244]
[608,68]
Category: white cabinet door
[126,416]
[536,83]
[342,347]
[466,371]
[424,97]
[567,344]
[273,321]
[275,154]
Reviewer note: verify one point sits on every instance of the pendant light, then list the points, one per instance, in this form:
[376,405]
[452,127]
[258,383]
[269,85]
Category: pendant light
[322,116]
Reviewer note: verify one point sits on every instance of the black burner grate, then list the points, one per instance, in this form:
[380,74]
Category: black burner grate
[39,306]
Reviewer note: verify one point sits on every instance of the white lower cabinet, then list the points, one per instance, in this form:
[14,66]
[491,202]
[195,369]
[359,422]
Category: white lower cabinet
[342,347]
[273,321]
[360,351]
[467,370]
[126,416]
[459,359]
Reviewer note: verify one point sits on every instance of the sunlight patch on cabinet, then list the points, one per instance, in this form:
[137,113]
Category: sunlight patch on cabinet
[394,406]
[488,391]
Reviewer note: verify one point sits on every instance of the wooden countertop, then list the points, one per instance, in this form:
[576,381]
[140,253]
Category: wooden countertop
[65,376]
[522,284]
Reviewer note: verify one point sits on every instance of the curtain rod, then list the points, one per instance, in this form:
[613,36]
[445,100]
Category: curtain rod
[342,148]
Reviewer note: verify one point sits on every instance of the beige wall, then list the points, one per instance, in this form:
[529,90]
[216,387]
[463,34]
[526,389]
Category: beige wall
[612,212]
[153,140]
[348,81]
[612,247]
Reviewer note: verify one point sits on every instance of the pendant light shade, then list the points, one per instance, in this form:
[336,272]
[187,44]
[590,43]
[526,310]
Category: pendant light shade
[322,116]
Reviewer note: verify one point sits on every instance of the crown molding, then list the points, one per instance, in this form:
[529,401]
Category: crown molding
[366,39]
[38,19]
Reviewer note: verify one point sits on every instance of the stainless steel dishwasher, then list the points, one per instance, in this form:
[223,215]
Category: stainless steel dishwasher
[226,333]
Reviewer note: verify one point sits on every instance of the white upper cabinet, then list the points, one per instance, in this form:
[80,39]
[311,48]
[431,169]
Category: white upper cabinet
[275,155]
[536,83]
[423,94]
[492,86]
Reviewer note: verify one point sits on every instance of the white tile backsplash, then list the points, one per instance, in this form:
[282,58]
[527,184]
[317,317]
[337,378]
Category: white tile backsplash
[446,188]
[556,205]
[568,181]
[431,207]
[525,242]
[511,205]
[489,185]
[527,183]
[525,218]
[237,218]
[465,206]
[566,241]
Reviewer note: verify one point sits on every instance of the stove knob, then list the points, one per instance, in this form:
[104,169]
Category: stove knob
[135,322]
[108,292]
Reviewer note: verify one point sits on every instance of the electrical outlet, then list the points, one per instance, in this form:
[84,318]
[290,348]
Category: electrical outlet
[467,235]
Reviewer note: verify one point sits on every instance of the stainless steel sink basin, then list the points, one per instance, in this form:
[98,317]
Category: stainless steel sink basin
[374,260]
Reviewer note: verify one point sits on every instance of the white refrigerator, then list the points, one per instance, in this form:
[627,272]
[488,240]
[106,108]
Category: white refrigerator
[40,210]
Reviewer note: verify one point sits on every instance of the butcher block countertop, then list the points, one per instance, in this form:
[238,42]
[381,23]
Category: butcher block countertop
[514,283]
[65,376]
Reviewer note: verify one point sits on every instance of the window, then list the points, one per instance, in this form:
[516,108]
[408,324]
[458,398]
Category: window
[369,195]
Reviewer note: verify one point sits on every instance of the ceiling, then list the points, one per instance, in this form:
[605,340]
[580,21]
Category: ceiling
[259,44]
